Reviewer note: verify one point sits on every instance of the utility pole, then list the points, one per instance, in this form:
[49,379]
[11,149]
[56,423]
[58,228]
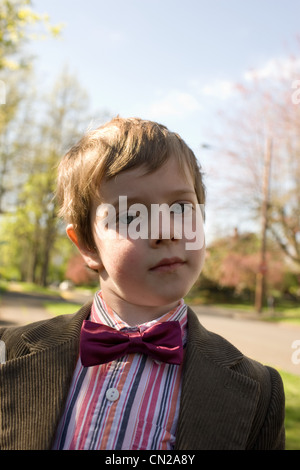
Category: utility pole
[261,274]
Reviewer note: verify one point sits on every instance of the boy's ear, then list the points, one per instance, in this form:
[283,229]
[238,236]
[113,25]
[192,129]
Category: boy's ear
[91,257]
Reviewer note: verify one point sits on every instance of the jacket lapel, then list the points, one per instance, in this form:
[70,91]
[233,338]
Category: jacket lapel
[34,387]
[217,404]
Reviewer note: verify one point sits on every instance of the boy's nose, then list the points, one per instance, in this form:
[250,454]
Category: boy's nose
[163,230]
[155,242]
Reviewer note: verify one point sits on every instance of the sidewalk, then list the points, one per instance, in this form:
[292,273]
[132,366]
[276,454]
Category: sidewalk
[18,308]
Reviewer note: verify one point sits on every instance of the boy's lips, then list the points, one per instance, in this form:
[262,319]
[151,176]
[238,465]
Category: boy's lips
[168,264]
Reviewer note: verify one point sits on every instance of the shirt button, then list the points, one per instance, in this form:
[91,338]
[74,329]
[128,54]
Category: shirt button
[112,394]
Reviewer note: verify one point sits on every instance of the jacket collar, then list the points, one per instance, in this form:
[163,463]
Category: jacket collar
[58,330]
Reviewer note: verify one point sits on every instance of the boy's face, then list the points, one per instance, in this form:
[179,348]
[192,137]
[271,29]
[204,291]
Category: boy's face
[144,277]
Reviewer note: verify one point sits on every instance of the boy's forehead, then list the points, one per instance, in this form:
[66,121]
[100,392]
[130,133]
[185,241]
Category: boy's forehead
[171,176]
[171,166]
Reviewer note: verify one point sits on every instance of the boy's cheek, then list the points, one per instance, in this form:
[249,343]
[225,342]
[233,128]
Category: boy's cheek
[202,255]
[118,255]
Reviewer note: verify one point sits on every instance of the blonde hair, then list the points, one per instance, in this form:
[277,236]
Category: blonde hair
[117,146]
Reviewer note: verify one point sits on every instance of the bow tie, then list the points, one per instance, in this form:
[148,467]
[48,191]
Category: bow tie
[100,344]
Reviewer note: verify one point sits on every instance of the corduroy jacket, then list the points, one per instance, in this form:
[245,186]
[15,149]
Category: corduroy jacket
[228,401]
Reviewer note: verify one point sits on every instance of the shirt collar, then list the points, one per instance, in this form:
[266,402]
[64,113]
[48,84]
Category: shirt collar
[102,313]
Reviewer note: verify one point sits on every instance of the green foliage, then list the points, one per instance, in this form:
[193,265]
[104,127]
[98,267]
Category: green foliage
[17,22]
[34,246]
[34,236]
[59,308]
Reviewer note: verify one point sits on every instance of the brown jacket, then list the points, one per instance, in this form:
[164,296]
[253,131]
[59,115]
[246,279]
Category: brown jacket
[228,400]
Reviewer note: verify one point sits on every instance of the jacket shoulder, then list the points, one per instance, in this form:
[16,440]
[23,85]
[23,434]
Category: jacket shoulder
[53,330]
[268,425]
[222,352]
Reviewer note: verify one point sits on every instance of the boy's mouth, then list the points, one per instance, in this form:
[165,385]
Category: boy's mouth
[168,264]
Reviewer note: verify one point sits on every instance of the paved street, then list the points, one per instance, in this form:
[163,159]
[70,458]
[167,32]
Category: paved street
[18,308]
[268,343]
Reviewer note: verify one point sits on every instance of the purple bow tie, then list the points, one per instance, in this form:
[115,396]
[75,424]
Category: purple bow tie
[100,343]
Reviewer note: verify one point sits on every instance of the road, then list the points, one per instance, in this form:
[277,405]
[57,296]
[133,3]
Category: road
[268,343]
[18,308]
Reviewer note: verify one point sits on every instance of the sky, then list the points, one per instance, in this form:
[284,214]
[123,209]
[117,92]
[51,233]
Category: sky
[172,61]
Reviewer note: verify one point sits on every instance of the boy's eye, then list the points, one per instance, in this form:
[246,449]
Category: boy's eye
[126,218]
[181,208]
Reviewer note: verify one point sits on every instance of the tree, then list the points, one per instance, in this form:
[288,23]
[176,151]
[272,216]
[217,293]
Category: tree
[15,135]
[34,219]
[265,114]
[58,130]
[66,113]
[17,26]
[34,134]
[233,261]
[17,22]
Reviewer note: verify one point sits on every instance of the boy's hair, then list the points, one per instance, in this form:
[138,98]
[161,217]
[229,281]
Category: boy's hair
[117,146]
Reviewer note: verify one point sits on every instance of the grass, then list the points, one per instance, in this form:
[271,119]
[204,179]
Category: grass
[284,310]
[59,308]
[285,313]
[31,288]
[292,410]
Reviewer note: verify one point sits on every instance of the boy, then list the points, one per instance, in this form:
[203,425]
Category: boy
[107,377]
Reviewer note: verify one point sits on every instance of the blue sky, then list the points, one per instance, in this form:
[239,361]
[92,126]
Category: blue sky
[173,61]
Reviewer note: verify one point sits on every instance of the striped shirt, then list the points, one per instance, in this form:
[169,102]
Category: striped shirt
[131,403]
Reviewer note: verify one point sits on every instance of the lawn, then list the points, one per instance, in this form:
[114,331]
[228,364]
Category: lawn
[60,308]
[292,421]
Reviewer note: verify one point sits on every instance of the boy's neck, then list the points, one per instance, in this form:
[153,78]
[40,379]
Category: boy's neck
[133,314]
